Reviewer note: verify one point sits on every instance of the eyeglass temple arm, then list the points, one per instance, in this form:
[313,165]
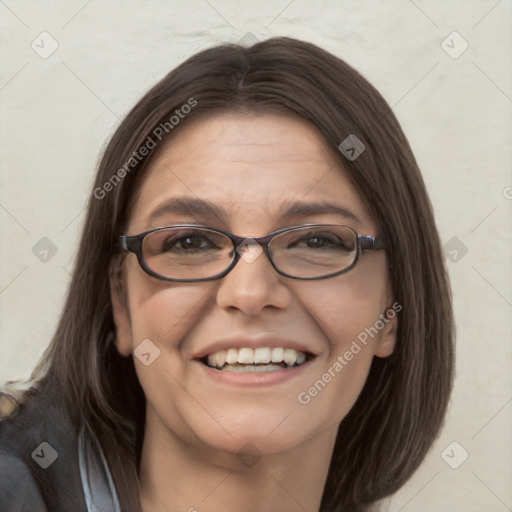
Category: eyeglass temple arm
[371,243]
[129,243]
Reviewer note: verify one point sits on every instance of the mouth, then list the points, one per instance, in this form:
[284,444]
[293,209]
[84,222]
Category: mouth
[261,359]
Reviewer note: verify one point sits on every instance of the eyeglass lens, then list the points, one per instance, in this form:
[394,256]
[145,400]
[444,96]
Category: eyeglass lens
[198,253]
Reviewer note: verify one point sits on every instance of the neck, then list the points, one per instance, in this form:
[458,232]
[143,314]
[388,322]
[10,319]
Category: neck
[179,477]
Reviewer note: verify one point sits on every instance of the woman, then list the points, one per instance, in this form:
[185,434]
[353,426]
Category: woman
[259,317]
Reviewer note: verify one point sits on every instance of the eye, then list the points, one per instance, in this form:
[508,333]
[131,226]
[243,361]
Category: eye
[188,242]
[321,240]
[324,240]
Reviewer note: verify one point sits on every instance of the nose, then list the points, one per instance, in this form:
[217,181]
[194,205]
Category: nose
[253,284]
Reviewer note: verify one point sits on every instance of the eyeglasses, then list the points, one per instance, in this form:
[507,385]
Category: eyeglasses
[190,253]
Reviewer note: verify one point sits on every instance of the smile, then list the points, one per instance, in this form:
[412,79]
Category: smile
[261,359]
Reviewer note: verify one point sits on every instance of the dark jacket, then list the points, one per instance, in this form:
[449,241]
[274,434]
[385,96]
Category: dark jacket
[39,469]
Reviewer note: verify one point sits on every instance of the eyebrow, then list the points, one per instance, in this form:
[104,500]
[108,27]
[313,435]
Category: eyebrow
[203,210]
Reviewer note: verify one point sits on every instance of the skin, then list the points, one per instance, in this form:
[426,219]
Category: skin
[249,165]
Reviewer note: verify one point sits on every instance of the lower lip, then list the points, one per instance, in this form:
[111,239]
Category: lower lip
[252,379]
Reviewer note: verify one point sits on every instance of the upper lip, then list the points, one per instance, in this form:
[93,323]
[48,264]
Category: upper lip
[256,342]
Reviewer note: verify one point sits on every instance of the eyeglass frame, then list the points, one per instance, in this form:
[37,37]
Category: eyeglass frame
[133,244]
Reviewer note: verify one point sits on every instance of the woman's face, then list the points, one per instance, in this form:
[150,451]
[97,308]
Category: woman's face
[252,168]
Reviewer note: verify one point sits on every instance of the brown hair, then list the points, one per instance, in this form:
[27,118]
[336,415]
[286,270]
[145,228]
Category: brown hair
[401,409]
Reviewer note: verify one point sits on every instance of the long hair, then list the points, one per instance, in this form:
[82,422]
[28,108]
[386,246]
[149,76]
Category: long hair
[401,409]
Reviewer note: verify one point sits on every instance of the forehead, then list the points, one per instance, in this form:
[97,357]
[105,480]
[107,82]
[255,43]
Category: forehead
[248,166]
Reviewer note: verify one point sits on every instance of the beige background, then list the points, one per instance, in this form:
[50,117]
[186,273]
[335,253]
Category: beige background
[58,111]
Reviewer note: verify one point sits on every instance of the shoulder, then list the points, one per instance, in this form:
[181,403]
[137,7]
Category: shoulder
[18,489]
[39,458]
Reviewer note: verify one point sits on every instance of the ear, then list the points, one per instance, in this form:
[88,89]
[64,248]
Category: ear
[120,309]
[387,339]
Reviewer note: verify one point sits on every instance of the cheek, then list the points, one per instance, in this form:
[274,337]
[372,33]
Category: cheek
[164,312]
[347,307]
[344,313]
[329,398]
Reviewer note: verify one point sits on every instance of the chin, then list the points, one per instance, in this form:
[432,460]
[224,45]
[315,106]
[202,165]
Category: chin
[266,433]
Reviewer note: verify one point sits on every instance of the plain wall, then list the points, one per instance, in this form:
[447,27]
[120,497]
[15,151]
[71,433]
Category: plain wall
[57,112]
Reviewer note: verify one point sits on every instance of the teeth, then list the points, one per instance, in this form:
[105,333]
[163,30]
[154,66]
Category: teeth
[250,368]
[259,359]
[290,356]
[246,356]
[262,355]
[277,354]
[219,357]
[231,357]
